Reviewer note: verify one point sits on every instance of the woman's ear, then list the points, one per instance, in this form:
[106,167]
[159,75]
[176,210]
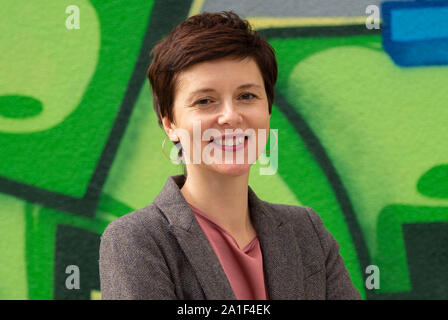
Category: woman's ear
[169,128]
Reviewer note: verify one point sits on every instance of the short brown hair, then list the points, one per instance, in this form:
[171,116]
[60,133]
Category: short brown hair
[203,37]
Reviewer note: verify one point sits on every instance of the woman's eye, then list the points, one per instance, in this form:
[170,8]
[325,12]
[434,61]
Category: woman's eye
[203,101]
[248,96]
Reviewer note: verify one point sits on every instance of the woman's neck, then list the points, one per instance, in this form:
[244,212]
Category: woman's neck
[223,198]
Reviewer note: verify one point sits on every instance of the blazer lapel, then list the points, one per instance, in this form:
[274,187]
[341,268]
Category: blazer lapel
[193,241]
[282,267]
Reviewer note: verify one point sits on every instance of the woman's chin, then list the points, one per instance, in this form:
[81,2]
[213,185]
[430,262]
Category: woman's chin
[233,170]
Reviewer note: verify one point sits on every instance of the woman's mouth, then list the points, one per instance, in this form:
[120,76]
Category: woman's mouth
[232,144]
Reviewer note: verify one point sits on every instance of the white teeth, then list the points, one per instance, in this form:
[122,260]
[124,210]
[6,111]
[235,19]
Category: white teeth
[230,142]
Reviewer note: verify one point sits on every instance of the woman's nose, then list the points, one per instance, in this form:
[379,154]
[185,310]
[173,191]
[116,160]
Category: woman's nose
[230,114]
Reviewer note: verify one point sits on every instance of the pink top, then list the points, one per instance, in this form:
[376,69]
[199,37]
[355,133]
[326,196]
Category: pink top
[243,267]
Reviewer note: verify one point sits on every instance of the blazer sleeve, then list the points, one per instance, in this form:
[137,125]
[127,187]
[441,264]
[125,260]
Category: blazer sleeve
[132,266]
[339,285]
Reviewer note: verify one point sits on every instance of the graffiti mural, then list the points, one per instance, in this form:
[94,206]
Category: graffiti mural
[362,137]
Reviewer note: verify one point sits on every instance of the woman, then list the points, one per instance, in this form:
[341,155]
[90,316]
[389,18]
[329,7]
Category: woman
[207,235]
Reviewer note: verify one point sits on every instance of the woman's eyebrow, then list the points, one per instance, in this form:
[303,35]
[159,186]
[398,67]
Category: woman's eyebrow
[203,90]
[249,85]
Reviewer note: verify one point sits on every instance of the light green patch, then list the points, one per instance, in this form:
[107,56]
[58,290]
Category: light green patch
[37,61]
[382,126]
[13,278]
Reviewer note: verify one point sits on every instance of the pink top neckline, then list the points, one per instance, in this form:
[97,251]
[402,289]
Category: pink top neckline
[205,216]
[243,267]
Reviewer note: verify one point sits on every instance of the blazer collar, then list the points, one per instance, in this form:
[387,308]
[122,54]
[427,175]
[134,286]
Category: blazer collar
[282,268]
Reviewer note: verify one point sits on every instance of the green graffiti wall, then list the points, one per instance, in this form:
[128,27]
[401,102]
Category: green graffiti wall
[360,139]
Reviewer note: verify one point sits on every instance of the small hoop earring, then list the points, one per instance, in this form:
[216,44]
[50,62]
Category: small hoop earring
[166,156]
[276,141]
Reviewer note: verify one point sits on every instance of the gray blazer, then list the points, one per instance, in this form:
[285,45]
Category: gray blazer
[160,252]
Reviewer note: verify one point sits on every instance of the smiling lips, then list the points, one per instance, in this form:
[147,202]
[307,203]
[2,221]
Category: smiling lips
[231,142]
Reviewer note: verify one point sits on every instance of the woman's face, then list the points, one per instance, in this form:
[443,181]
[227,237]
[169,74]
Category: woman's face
[215,100]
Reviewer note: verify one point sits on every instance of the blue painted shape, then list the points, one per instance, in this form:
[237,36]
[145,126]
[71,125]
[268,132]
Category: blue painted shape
[419,24]
[416,33]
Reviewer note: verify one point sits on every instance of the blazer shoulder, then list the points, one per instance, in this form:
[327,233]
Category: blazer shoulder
[143,222]
[134,256]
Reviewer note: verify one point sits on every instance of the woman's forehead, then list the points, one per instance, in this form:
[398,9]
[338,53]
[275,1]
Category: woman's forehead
[216,73]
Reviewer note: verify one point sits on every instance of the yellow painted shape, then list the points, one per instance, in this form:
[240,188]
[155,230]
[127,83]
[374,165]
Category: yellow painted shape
[196,7]
[95,295]
[282,22]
